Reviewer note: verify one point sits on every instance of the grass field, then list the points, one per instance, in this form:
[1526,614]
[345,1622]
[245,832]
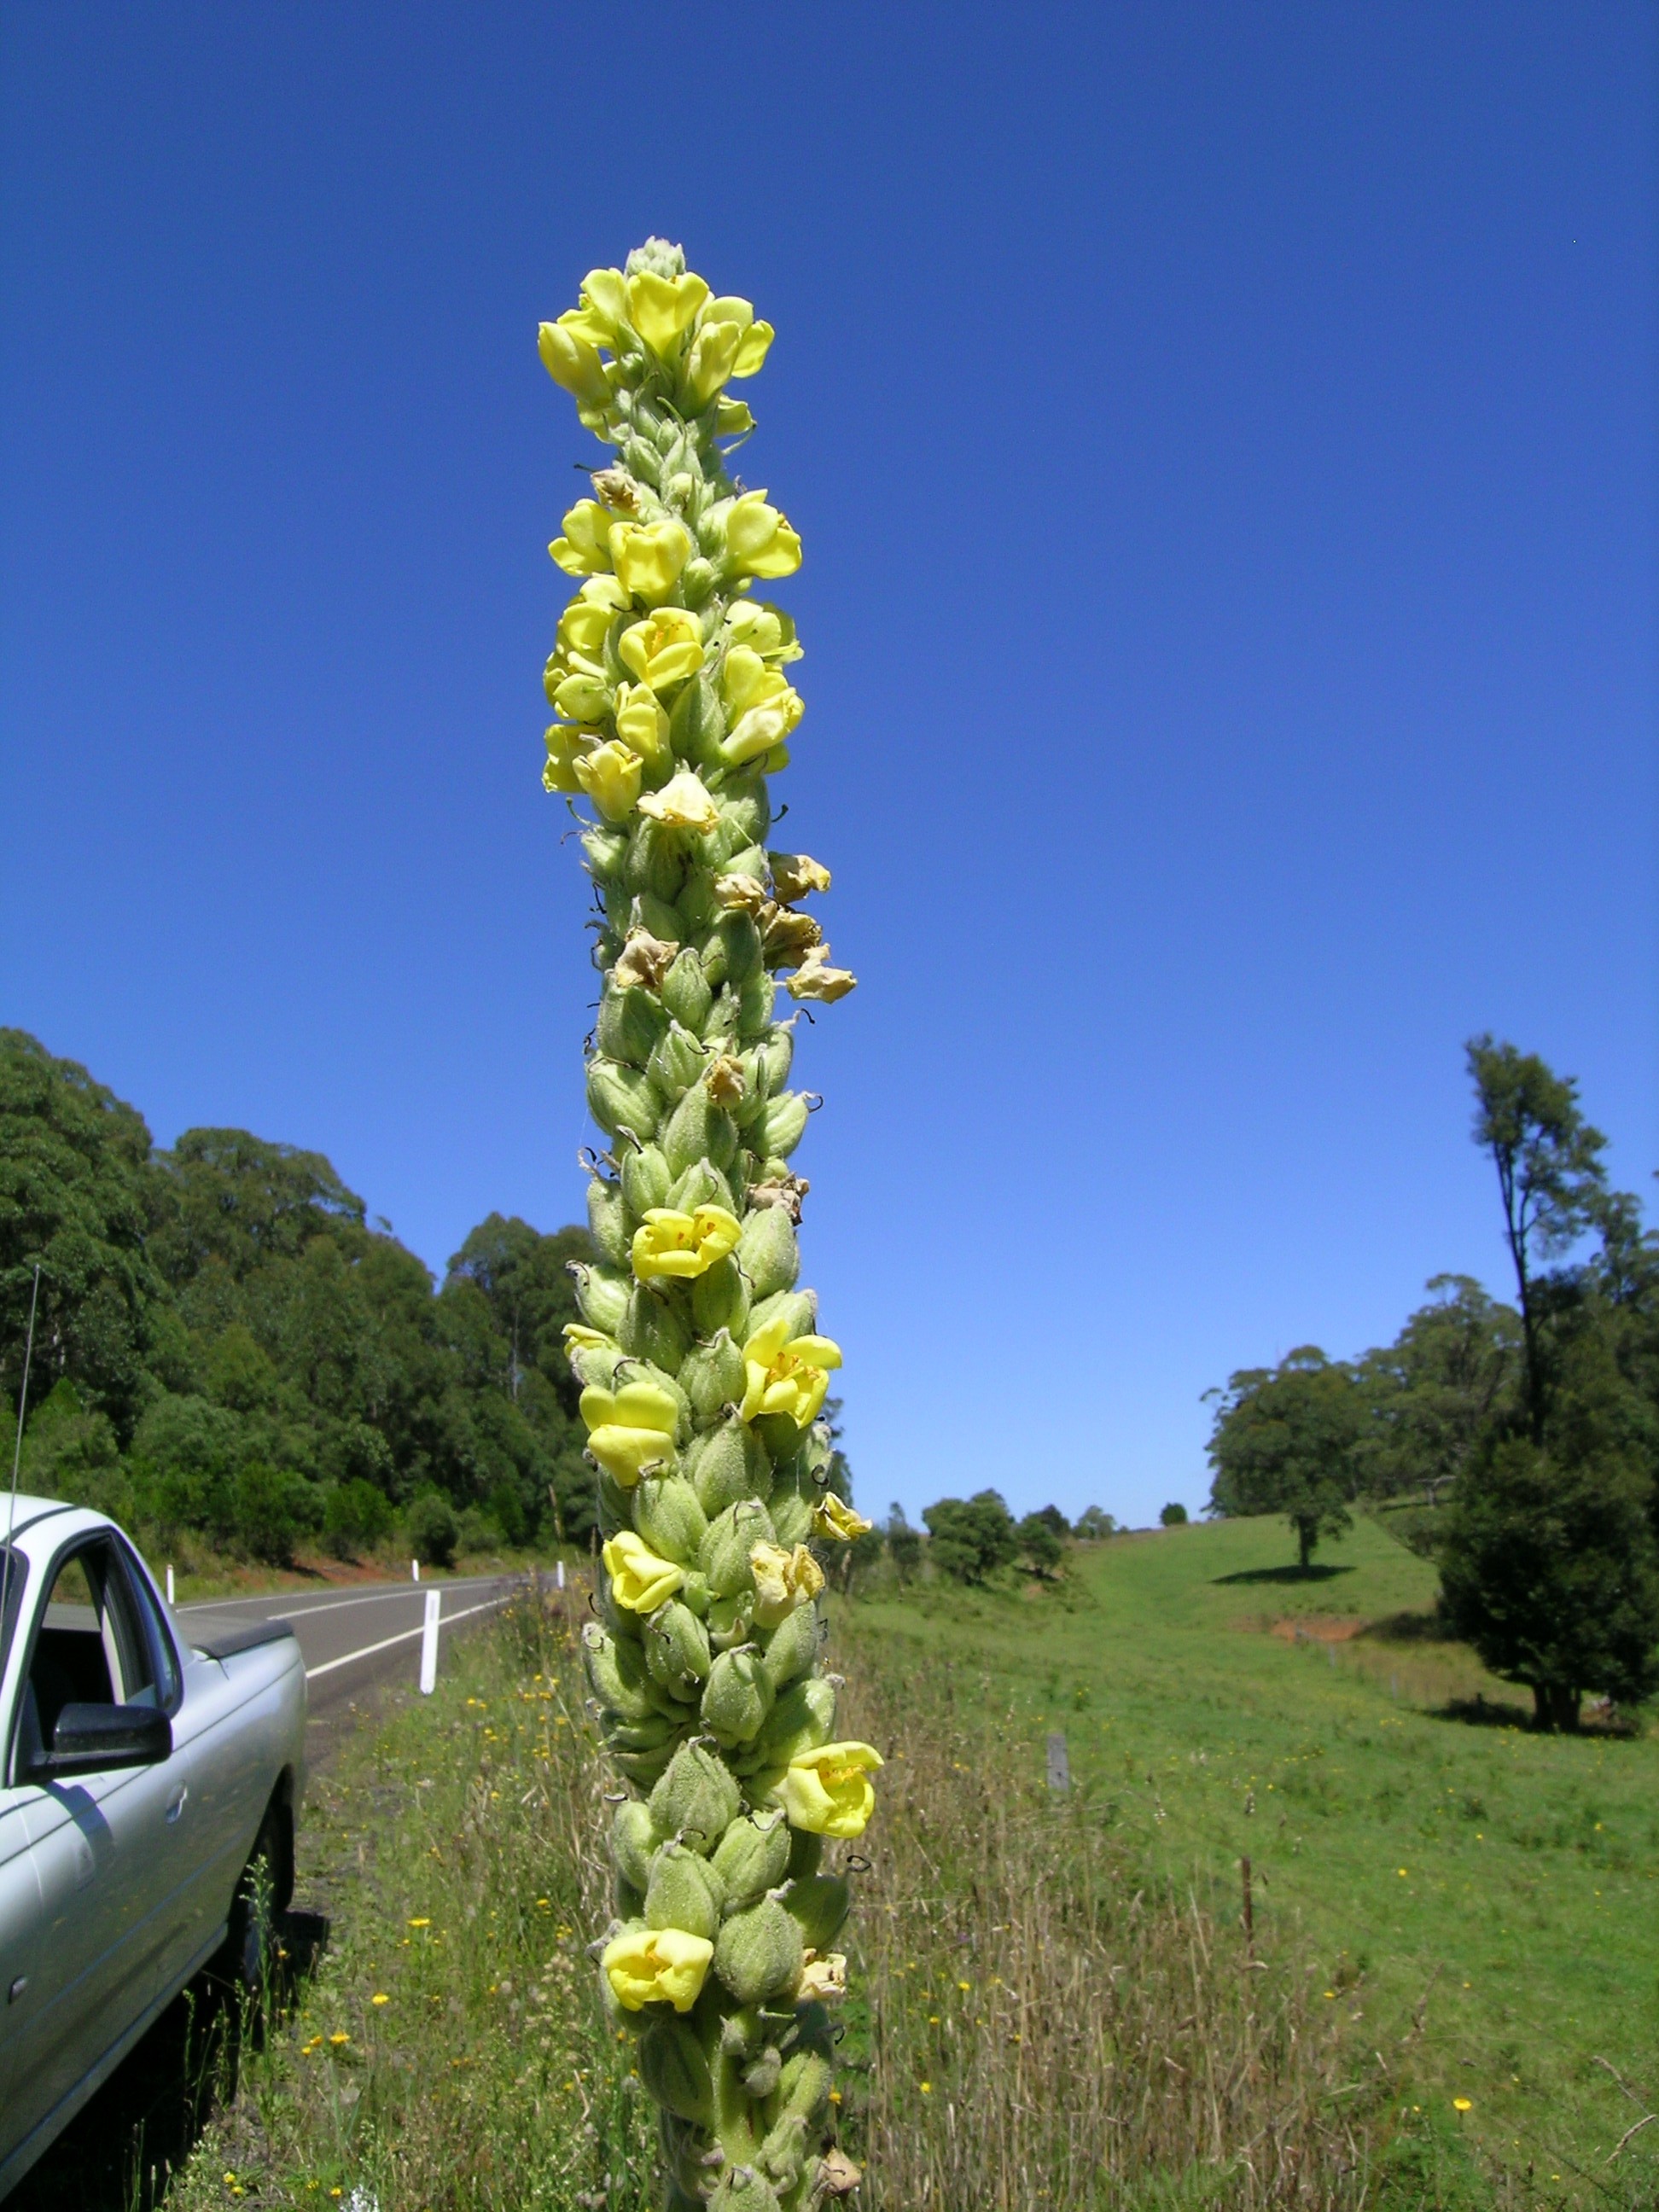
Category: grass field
[1055,2003]
[1499,1887]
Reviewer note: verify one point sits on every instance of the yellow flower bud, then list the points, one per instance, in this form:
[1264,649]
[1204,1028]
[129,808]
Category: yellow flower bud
[610,774]
[746,679]
[664,649]
[583,628]
[585,548]
[827,1791]
[713,351]
[795,874]
[656,1965]
[663,309]
[833,1517]
[816,980]
[648,557]
[682,1245]
[582,695]
[571,361]
[764,727]
[631,1430]
[783,1580]
[641,723]
[822,1978]
[682,804]
[758,539]
[784,1376]
[565,747]
[640,1581]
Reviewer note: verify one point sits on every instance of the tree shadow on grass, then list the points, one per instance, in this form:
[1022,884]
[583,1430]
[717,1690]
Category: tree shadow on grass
[1294,1575]
[1483,1712]
[121,2151]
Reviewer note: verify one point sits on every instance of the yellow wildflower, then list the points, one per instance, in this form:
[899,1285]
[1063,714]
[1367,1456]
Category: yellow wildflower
[817,979]
[648,557]
[833,1517]
[604,308]
[664,649]
[570,359]
[682,804]
[783,1580]
[585,548]
[630,1429]
[640,1580]
[713,354]
[641,723]
[828,1791]
[566,746]
[610,774]
[663,309]
[583,625]
[758,539]
[656,1965]
[682,1244]
[767,629]
[785,1376]
[795,874]
[763,727]
[822,1977]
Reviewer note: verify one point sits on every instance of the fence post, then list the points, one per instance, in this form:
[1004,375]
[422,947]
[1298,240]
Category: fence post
[434,1599]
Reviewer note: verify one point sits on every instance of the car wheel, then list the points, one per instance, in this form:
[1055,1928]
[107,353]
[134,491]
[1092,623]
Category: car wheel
[250,1945]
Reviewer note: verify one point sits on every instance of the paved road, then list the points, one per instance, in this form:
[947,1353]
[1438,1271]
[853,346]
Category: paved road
[353,1641]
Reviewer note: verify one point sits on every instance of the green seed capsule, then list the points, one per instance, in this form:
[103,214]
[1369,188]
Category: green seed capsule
[758,1953]
[781,1124]
[754,1002]
[721,1301]
[651,1329]
[799,1307]
[697,1799]
[677,1062]
[740,943]
[701,1184]
[667,1514]
[737,1698]
[676,1646]
[804,2084]
[751,1857]
[768,1251]
[616,1674]
[712,1375]
[601,1296]
[731,1464]
[607,852]
[723,1557]
[803,1718]
[619,1097]
[633,1840]
[686,991]
[655,860]
[631,1024]
[745,805]
[684,1892]
[675,2069]
[793,1646]
[607,1219]
[697,1130]
[820,1905]
[645,1178]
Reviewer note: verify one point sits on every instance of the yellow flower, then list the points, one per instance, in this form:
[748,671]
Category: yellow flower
[585,548]
[578,1337]
[754,338]
[710,361]
[795,874]
[763,727]
[758,539]
[664,648]
[816,979]
[828,1791]
[610,774]
[569,358]
[663,309]
[823,1977]
[604,308]
[379,1997]
[655,1966]
[682,1244]
[649,556]
[783,1580]
[766,630]
[583,626]
[746,678]
[1463,2105]
[581,693]
[641,723]
[682,804]
[629,1429]
[640,1581]
[565,747]
[785,1377]
[833,1517]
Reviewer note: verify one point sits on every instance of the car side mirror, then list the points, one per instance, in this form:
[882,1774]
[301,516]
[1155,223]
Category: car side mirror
[89,1739]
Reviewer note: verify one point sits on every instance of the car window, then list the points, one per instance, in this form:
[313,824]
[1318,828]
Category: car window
[163,1687]
[14,1578]
[90,1648]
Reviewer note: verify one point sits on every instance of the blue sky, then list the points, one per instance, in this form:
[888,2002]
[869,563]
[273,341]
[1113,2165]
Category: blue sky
[1223,444]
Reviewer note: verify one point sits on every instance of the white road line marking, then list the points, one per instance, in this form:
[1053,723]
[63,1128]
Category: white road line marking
[307,1605]
[386,1643]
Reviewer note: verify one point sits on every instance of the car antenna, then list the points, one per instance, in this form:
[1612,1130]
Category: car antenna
[17,1460]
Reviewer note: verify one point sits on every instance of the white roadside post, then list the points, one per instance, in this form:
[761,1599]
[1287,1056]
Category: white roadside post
[561,1573]
[169,1582]
[414,1570]
[434,1599]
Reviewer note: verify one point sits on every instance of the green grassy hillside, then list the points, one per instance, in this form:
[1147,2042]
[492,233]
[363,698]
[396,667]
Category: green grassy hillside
[1483,1903]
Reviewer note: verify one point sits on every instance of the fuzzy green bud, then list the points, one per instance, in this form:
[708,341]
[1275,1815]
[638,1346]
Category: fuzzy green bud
[650,1328]
[768,1252]
[696,1798]
[724,1553]
[696,1130]
[758,1954]
[803,1717]
[804,2084]
[751,1857]
[675,2069]
[667,1514]
[729,1463]
[607,1218]
[617,1674]
[686,991]
[820,1905]
[620,1097]
[779,1127]
[676,1647]
[633,1842]
[601,1296]
[684,1892]
[736,1698]
[677,1062]
[712,1374]
[701,1184]
[645,1178]
[792,1647]
[631,1024]
[720,1300]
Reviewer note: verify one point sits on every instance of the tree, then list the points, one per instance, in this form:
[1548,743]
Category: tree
[1283,1443]
[1549,1568]
[1040,1547]
[1431,1395]
[1094,1522]
[1175,1516]
[1550,1177]
[971,1537]
[1055,1519]
[904,1543]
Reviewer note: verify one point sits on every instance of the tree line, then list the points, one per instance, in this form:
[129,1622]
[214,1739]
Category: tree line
[1527,1435]
[225,1344]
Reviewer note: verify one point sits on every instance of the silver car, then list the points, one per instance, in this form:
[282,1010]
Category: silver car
[147,1803]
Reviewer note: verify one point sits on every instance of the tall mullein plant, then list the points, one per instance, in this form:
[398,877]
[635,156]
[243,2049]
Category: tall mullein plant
[703,1373]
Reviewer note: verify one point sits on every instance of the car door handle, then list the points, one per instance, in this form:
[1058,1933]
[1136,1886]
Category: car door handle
[176,1802]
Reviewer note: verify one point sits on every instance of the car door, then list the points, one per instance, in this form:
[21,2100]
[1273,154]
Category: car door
[19,1903]
[110,1850]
